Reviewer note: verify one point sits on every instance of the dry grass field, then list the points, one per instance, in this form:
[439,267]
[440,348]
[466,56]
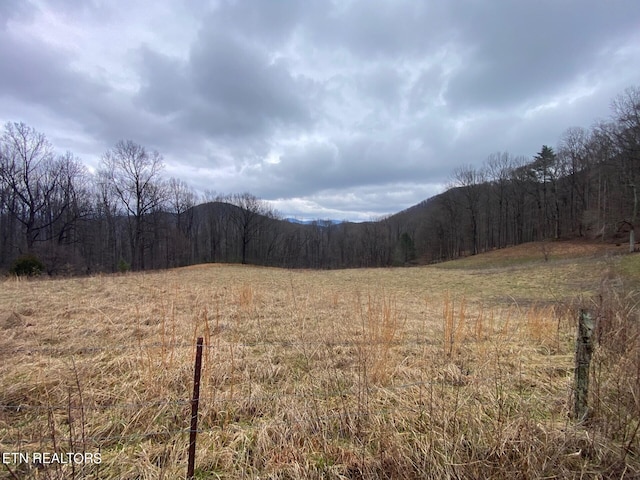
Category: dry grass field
[459,370]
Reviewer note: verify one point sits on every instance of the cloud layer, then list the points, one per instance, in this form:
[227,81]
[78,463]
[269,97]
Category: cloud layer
[349,109]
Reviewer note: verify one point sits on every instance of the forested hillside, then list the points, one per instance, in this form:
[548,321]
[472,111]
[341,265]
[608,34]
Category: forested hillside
[128,216]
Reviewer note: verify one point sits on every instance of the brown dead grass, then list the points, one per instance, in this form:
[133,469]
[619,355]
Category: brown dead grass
[536,252]
[389,373]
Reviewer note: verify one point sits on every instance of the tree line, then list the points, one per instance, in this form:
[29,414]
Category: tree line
[586,187]
[127,215]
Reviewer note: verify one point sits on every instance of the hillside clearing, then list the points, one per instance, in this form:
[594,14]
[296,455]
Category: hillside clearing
[431,372]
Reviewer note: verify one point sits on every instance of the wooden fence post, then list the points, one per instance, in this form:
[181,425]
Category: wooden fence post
[584,349]
[194,410]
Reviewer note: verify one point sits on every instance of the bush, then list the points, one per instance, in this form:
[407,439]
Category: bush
[405,251]
[27,265]
[123,266]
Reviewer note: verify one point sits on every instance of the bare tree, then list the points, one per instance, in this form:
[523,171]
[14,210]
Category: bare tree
[73,197]
[7,222]
[180,200]
[471,180]
[520,191]
[69,207]
[626,109]
[28,173]
[573,153]
[498,170]
[46,195]
[249,218]
[134,177]
[449,222]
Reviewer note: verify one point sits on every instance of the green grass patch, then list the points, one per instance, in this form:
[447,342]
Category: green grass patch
[629,268]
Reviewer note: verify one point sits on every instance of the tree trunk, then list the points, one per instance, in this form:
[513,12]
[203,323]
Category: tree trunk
[632,233]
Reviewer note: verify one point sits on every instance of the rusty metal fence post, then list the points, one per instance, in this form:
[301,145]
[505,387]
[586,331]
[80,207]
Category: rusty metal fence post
[194,410]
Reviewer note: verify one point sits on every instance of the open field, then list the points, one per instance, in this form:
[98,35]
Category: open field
[459,370]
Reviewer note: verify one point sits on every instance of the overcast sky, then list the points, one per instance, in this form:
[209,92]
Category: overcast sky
[330,109]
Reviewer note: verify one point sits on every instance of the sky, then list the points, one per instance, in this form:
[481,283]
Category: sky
[350,109]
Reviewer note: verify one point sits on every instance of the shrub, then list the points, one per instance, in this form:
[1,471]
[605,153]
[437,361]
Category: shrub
[405,251]
[27,265]
[123,266]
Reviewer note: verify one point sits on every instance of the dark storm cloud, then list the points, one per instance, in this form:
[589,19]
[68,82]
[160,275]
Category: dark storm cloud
[165,88]
[321,105]
[228,87]
[379,89]
[519,51]
[268,23]
[381,30]
[239,90]
[31,72]
[42,76]
[346,162]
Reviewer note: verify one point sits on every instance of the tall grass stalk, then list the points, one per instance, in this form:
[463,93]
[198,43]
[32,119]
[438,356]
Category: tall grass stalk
[453,324]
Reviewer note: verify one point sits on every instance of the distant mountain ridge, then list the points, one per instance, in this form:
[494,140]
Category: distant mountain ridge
[311,222]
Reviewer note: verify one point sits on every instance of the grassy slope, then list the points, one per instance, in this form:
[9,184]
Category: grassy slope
[460,369]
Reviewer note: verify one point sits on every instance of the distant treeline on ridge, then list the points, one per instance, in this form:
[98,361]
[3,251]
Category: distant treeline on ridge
[56,213]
